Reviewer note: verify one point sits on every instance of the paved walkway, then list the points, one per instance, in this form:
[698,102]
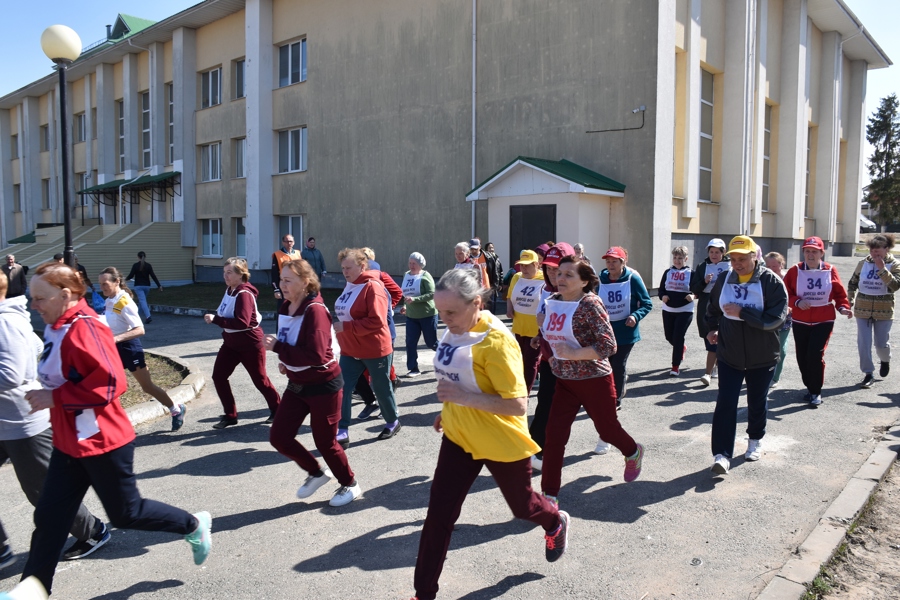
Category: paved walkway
[675,533]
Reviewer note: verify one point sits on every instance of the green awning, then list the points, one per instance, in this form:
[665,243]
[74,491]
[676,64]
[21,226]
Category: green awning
[147,182]
[562,169]
[107,187]
[28,238]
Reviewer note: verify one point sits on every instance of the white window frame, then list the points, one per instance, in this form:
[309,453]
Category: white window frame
[146,144]
[240,158]
[120,110]
[240,237]
[290,73]
[80,133]
[211,238]
[767,151]
[83,182]
[170,89]
[240,78]
[292,151]
[706,171]
[285,225]
[211,162]
[211,88]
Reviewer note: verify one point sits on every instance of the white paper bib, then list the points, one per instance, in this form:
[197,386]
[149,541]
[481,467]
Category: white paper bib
[453,359]
[557,327]
[814,286]
[869,281]
[745,295]
[678,280]
[226,310]
[289,331]
[526,295]
[617,299]
[345,301]
[412,285]
[715,270]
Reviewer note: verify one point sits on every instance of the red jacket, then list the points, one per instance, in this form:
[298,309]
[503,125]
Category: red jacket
[95,380]
[392,288]
[815,314]
[367,334]
[244,318]
[313,347]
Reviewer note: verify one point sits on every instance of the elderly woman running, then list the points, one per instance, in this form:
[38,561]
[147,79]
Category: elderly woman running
[418,306]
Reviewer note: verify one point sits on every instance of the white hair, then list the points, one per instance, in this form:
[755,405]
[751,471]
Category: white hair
[463,246]
[417,256]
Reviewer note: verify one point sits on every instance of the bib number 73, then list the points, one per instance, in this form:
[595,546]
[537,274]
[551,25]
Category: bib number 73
[445,353]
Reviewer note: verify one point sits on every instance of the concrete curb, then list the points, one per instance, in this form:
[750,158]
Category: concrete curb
[180,394]
[822,543]
[197,312]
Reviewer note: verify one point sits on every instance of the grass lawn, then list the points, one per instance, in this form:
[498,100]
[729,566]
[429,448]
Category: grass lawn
[208,296]
[165,375]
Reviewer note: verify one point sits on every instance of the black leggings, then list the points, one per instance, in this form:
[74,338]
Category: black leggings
[675,326]
[544,400]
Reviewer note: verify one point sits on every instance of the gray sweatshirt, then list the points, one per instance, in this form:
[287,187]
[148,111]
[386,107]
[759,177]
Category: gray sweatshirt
[19,350]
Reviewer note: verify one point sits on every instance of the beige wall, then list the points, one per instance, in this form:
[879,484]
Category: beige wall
[712,28]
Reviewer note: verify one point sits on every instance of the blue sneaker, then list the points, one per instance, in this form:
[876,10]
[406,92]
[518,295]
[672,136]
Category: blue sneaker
[178,420]
[201,538]
[6,556]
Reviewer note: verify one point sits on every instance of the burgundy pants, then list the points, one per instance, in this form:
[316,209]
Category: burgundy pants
[531,359]
[254,360]
[598,396]
[455,473]
[324,413]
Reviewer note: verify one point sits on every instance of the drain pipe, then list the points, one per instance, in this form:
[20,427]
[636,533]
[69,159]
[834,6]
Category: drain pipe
[474,97]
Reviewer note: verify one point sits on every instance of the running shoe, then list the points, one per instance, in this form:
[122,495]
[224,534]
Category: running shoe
[201,538]
[88,546]
[552,499]
[674,371]
[413,374]
[715,372]
[602,447]
[395,383]
[390,430]
[178,419]
[537,463]
[885,369]
[369,411]
[773,385]
[343,438]
[271,418]
[868,381]
[28,589]
[346,494]
[225,422]
[815,400]
[754,450]
[149,320]
[313,483]
[555,542]
[7,557]
[721,465]
[633,464]
[706,380]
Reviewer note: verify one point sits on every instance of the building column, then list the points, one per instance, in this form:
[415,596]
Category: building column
[690,148]
[260,223]
[184,80]
[855,130]
[158,108]
[132,107]
[31,160]
[107,135]
[793,122]
[829,139]
[54,147]
[89,154]
[7,220]
[759,111]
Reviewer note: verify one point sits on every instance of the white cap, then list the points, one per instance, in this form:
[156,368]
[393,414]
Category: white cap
[717,243]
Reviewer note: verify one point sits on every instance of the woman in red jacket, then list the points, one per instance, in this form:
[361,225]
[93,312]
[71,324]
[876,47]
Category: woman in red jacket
[93,440]
[315,385]
[814,290]
[242,342]
[365,340]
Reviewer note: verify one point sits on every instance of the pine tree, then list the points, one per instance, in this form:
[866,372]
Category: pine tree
[883,132]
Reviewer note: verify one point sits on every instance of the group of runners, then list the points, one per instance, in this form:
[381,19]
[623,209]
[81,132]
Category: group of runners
[573,328]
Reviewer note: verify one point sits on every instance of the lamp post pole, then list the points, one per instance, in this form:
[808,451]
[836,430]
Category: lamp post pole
[68,251]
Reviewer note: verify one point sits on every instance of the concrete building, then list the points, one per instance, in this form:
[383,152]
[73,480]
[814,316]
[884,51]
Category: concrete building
[364,123]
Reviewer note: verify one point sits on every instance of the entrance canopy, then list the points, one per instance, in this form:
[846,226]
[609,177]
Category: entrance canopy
[108,193]
[526,176]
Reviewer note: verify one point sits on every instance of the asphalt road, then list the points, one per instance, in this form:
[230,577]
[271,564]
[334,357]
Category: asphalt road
[677,532]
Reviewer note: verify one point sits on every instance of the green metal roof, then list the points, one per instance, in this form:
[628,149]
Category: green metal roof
[28,238]
[103,187]
[565,169]
[141,183]
[130,25]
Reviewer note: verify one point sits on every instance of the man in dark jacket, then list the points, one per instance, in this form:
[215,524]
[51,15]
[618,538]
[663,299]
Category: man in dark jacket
[746,308]
[314,257]
[15,274]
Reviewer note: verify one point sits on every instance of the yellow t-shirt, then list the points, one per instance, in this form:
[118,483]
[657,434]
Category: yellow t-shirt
[497,363]
[525,325]
[744,278]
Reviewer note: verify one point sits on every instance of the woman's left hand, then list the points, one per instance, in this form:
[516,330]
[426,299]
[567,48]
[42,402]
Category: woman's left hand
[208,318]
[269,342]
[450,392]
[39,399]
[630,321]
[338,326]
[846,312]
[565,351]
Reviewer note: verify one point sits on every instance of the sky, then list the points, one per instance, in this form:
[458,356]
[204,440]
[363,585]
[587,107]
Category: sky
[23,23]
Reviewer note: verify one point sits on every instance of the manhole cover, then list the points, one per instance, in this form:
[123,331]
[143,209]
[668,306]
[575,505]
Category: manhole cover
[696,562]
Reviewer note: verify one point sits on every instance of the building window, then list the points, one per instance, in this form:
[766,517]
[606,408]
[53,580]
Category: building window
[706,136]
[145,130]
[240,158]
[211,237]
[240,236]
[292,63]
[211,88]
[45,138]
[807,207]
[17,198]
[120,110]
[170,95]
[93,123]
[292,150]
[79,132]
[14,146]
[210,162]
[45,194]
[240,86]
[82,182]
[767,152]
[290,224]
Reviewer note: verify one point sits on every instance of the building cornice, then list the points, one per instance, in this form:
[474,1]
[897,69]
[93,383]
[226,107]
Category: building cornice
[857,42]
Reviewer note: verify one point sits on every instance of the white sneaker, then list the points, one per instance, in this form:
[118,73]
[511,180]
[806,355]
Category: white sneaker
[715,372]
[602,448]
[312,484]
[706,380]
[413,374]
[346,494]
[815,400]
[773,385]
[721,465]
[537,464]
[754,450]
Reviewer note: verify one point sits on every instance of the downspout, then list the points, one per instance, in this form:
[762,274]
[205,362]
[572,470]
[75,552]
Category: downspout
[474,95]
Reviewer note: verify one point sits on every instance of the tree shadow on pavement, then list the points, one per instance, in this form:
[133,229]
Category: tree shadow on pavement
[144,587]
[220,464]
[501,587]
[625,502]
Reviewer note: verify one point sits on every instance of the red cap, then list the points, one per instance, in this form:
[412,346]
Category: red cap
[616,252]
[814,242]
[558,251]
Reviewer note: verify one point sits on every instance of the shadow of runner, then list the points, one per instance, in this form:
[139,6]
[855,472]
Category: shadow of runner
[144,587]
[502,586]
[220,464]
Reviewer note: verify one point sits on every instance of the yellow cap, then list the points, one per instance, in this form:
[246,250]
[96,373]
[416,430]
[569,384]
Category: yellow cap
[742,244]
[528,257]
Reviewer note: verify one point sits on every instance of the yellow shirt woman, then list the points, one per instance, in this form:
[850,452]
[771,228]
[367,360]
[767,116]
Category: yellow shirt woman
[525,295]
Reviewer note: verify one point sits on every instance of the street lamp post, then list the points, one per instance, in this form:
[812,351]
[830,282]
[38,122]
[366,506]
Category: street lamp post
[63,46]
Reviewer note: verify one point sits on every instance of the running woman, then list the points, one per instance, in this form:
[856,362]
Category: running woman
[702,282]
[480,383]
[242,342]
[421,315]
[814,290]
[678,305]
[315,385]
[123,319]
[523,299]
[873,284]
[775,262]
[578,330]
